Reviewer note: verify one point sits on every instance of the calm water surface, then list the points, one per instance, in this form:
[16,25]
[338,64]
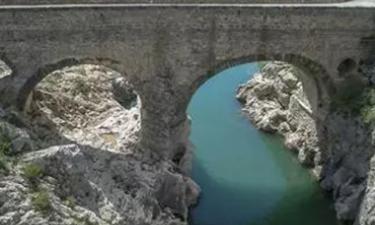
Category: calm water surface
[247,178]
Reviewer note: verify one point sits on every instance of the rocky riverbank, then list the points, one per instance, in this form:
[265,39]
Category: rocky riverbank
[73,158]
[338,150]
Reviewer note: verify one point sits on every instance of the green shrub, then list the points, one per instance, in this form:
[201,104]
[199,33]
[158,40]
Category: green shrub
[5,149]
[32,171]
[41,202]
[369,96]
[362,105]
[4,166]
[367,107]
[368,114]
[5,144]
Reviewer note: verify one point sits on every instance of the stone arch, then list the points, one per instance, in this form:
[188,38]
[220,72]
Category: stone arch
[184,92]
[314,70]
[44,71]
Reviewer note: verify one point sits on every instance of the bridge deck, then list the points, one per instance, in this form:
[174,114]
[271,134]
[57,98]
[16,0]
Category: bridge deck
[26,4]
[55,2]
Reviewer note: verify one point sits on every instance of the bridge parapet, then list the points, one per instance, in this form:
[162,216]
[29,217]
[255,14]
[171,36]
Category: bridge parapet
[48,2]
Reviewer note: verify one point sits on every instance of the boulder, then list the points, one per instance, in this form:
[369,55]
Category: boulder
[177,193]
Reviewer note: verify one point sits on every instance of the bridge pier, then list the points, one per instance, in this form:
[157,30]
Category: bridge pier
[164,121]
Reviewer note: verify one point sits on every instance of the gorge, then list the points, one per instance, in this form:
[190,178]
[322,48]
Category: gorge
[94,104]
[67,154]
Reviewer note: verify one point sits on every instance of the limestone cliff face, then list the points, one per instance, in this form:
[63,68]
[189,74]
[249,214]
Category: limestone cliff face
[338,150]
[72,158]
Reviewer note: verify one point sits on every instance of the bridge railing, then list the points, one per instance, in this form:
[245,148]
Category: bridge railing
[37,2]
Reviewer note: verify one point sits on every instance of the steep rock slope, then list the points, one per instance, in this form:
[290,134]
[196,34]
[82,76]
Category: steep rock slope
[73,158]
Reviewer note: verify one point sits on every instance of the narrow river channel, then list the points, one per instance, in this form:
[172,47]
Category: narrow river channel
[247,177]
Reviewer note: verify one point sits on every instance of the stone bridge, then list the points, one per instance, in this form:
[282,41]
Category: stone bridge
[167,50]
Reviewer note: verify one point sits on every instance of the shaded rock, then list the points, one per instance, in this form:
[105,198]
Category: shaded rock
[115,189]
[124,92]
[19,139]
[367,210]
[177,193]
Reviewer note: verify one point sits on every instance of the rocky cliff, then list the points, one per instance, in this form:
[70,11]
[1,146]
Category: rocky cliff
[72,157]
[338,150]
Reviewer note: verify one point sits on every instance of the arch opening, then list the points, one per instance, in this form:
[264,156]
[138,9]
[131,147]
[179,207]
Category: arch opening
[346,67]
[48,69]
[281,99]
[317,83]
[84,103]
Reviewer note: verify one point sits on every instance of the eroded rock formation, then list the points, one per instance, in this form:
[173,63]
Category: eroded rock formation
[274,101]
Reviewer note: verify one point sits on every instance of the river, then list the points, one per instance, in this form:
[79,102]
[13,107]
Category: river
[246,176]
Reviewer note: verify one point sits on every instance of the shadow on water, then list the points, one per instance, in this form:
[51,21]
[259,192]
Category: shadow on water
[303,202]
[231,200]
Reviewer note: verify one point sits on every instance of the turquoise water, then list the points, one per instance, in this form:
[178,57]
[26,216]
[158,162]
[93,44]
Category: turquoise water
[247,177]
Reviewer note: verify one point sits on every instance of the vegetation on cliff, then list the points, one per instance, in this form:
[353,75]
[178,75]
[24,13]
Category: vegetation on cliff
[362,105]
